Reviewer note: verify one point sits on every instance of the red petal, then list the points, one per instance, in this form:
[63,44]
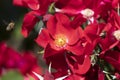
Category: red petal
[93,31]
[28,23]
[101,75]
[77,49]
[60,29]
[49,51]
[43,38]
[113,59]
[3,48]
[54,57]
[58,23]
[67,31]
[63,19]
[51,25]
[77,21]
[81,68]
[18,2]
[72,7]
[33,4]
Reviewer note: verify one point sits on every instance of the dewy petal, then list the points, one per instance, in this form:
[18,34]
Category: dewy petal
[43,38]
[29,22]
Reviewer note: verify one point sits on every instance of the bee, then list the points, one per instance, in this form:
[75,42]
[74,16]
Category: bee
[10,26]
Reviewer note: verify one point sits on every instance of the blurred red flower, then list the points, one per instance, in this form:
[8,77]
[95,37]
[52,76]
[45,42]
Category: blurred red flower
[25,62]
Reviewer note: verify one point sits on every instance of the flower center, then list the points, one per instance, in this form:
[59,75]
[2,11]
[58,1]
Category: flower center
[87,13]
[60,40]
[116,34]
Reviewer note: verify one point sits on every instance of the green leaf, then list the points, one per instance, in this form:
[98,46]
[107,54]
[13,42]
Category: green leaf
[51,8]
[12,75]
[39,26]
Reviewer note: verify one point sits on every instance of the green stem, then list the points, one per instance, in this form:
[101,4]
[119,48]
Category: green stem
[108,77]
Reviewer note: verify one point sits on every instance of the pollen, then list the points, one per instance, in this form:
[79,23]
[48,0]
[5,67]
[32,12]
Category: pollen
[60,40]
[116,34]
[87,13]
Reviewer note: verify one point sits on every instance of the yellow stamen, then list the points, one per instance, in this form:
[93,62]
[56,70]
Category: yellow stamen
[60,40]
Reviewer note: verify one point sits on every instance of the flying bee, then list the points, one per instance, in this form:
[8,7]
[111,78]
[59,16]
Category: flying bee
[10,26]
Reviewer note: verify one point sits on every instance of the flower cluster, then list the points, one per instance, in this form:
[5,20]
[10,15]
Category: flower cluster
[80,38]
[26,63]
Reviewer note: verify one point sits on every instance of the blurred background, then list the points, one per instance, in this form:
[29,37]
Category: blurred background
[13,37]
